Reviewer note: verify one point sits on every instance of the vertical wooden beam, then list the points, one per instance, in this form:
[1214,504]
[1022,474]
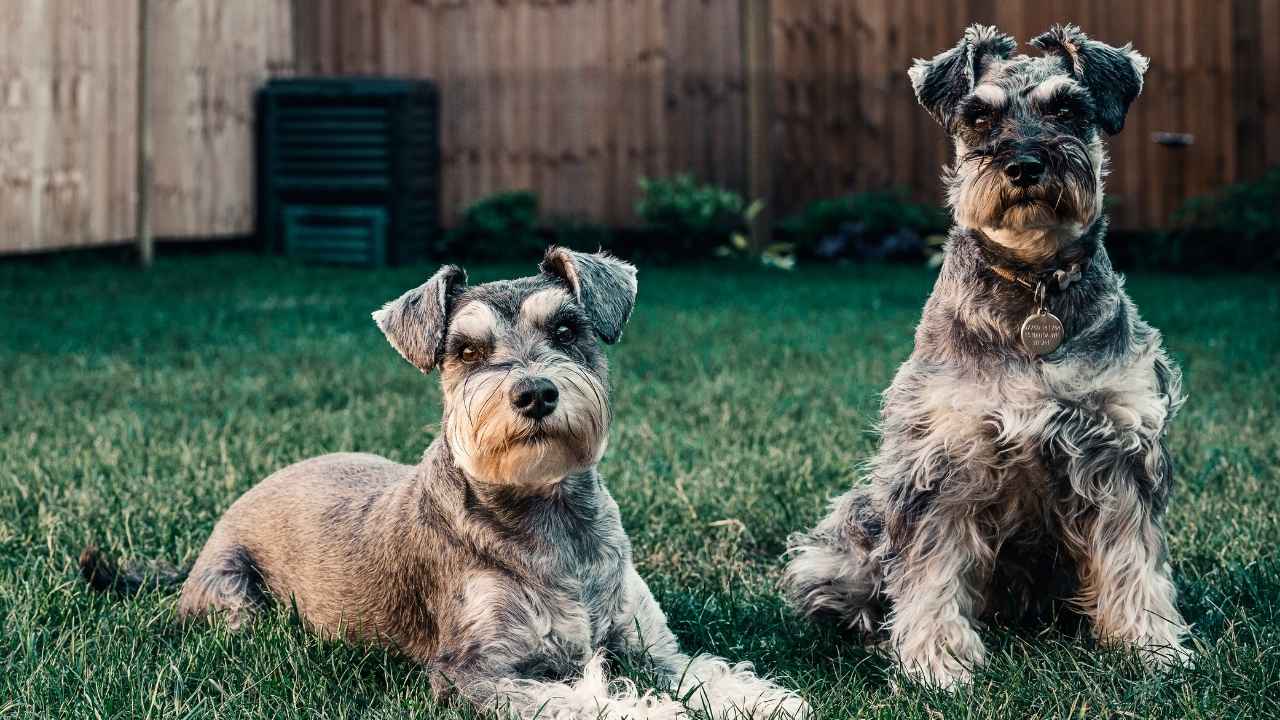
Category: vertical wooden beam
[142,217]
[757,63]
[1247,89]
[303,31]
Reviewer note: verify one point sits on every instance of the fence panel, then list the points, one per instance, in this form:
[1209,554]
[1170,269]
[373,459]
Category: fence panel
[66,123]
[577,99]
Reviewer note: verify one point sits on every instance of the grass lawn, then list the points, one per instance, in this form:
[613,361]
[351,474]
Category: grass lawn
[136,408]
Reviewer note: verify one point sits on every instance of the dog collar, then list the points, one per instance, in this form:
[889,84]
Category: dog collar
[1055,276]
[1057,279]
[1042,332]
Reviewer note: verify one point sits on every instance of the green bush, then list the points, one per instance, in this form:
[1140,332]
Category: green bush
[1249,208]
[502,226]
[882,223]
[689,220]
[1238,226]
[581,234]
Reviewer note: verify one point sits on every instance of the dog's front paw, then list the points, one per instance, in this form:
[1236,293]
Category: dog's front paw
[1160,646]
[946,667]
[1163,656]
[941,675]
[719,689]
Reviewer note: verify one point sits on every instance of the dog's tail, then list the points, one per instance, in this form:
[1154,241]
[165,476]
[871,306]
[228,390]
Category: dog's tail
[104,574]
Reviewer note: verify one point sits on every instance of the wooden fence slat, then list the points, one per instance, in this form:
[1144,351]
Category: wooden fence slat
[1269,27]
[658,59]
[1247,86]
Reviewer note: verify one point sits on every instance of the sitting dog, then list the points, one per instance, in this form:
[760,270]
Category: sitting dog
[499,560]
[1023,442]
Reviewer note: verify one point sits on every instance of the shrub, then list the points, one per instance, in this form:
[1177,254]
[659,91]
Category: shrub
[688,220]
[883,224]
[580,234]
[502,226]
[1238,226]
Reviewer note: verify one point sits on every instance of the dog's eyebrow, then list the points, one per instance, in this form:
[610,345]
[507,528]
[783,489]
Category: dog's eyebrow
[1051,89]
[474,320]
[991,94]
[542,306]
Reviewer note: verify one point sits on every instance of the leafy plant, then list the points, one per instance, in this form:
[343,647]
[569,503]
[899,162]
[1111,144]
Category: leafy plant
[1237,226]
[688,219]
[1248,208]
[580,234]
[498,227]
[780,255]
[872,225]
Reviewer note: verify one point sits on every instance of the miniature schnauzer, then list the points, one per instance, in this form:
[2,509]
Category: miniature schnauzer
[1023,452]
[499,560]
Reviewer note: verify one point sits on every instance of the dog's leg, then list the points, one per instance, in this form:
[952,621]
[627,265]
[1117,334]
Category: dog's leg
[224,581]
[832,571]
[705,683]
[1120,473]
[495,656]
[935,584]
[1125,584]
[494,685]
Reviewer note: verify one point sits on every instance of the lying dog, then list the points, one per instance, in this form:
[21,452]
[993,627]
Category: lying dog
[499,560]
[1023,453]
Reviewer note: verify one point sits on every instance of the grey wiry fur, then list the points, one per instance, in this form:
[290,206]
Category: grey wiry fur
[941,82]
[414,323]
[1005,481]
[606,289]
[1112,75]
[499,560]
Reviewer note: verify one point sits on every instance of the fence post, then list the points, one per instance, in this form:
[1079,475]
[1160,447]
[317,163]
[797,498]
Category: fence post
[142,210]
[757,63]
[1248,90]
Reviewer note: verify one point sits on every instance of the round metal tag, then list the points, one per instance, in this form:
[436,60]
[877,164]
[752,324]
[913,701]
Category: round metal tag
[1042,333]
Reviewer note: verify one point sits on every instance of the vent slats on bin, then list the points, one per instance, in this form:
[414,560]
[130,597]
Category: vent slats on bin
[349,169]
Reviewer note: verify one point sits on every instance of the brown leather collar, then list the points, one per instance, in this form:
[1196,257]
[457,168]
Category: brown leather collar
[1056,275]
[1055,279]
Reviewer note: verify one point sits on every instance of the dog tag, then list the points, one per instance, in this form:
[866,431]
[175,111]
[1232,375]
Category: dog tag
[1042,333]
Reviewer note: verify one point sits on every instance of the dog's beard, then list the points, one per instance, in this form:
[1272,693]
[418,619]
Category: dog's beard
[495,444]
[1069,196]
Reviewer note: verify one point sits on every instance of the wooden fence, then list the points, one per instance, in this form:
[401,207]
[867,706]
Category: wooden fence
[68,85]
[576,99]
[846,117]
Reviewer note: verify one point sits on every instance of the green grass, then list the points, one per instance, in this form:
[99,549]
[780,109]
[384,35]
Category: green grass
[136,407]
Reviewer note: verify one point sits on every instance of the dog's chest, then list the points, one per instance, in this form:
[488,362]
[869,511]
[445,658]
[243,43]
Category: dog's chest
[571,619]
[1016,414]
[547,616]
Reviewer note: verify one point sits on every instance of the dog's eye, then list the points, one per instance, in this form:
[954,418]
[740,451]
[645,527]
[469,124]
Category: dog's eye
[1064,113]
[469,354]
[564,334]
[981,121]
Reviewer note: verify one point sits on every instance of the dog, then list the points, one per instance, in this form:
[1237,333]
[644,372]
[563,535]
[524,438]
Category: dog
[499,560]
[1023,456]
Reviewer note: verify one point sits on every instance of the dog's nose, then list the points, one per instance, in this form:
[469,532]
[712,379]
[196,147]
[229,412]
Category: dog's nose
[535,397]
[1024,171]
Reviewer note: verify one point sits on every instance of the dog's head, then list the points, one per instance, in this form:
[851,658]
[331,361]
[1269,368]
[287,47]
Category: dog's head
[524,375]
[1029,154]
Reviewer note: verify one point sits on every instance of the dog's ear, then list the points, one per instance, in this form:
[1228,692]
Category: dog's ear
[603,285]
[1113,75]
[416,322]
[940,83]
